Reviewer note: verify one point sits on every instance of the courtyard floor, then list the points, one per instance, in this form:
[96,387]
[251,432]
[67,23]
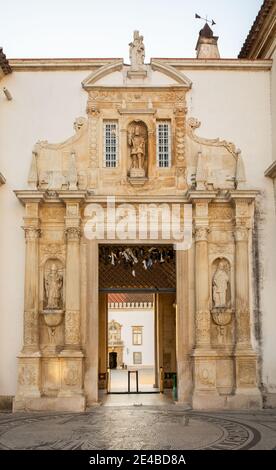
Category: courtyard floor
[139,424]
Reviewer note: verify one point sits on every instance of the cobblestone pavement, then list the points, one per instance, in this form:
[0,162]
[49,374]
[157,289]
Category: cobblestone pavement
[139,427]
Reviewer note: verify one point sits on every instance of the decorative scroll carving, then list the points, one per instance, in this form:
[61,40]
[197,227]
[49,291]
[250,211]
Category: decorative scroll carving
[194,123]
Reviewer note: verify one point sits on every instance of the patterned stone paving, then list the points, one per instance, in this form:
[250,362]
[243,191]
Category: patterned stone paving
[145,427]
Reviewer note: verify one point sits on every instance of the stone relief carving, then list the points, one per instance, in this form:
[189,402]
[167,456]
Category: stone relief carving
[30,327]
[28,375]
[71,375]
[53,282]
[72,333]
[247,372]
[137,142]
[221,290]
[137,51]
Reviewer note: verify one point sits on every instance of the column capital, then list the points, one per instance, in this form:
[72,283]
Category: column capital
[201,233]
[241,233]
[32,232]
[73,233]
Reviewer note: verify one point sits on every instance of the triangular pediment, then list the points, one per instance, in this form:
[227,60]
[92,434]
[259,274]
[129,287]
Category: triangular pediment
[155,74]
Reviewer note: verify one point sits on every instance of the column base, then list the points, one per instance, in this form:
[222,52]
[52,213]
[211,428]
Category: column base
[241,400]
[74,404]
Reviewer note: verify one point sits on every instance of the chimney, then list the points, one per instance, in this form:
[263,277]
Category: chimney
[207,47]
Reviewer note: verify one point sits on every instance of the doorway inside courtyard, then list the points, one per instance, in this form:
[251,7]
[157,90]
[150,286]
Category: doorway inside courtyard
[137,320]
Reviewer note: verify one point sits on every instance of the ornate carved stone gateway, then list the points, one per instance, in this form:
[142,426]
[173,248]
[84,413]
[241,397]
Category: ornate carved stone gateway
[139,144]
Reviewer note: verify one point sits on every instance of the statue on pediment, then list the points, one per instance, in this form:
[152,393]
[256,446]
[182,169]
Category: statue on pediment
[137,51]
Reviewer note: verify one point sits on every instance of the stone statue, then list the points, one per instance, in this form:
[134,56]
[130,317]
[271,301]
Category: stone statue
[137,144]
[137,51]
[53,286]
[220,286]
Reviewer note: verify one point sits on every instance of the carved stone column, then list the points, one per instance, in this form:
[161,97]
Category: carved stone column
[242,289]
[205,393]
[31,333]
[29,366]
[202,288]
[247,392]
[72,295]
[71,358]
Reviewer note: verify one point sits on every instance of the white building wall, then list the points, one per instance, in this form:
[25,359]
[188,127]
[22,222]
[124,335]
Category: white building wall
[231,104]
[128,317]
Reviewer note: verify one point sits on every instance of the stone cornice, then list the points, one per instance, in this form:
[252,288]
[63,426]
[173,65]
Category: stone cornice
[271,170]
[248,195]
[201,196]
[38,65]
[27,196]
[218,64]
[59,64]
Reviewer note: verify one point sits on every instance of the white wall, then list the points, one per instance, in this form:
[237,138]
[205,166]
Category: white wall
[231,104]
[128,317]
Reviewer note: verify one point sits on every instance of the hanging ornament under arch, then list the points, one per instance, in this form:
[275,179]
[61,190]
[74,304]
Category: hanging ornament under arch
[131,256]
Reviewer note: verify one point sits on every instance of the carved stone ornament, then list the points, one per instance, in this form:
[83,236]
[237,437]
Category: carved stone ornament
[32,233]
[241,234]
[201,234]
[28,375]
[72,327]
[30,328]
[71,375]
[73,233]
[202,326]
[222,317]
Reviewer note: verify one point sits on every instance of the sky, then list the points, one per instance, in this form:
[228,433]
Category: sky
[103,28]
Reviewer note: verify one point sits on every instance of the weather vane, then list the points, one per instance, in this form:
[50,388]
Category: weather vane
[205,19]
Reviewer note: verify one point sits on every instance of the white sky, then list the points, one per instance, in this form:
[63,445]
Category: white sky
[103,28]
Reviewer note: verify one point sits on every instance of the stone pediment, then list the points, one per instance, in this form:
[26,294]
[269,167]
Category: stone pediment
[118,75]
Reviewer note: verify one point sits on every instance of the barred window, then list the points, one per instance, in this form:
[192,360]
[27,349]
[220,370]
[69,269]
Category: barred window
[110,144]
[137,332]
[137,358]
[163,144]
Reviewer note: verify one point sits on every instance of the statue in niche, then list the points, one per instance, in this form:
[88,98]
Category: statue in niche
[137,51]
[53,288]
[137,142]
[221,286]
